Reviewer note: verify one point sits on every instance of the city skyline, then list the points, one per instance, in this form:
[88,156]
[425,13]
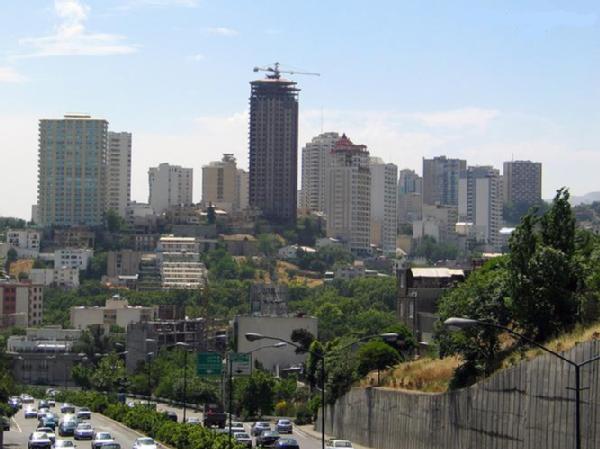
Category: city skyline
[503,96]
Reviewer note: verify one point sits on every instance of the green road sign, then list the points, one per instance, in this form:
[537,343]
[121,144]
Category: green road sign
[209,364]
[241,363]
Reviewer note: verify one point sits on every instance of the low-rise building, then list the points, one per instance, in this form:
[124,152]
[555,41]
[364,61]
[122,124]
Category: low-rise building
[64,277]
[291,251]
[272,359]
[74,237]
[240,244]
[21,304]
[179,261]
[124,262]
[116,311]
[26,242]
[73,258]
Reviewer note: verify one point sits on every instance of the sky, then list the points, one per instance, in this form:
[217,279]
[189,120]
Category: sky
[481,80]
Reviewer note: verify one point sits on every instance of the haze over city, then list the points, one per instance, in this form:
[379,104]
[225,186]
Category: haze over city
[470,81]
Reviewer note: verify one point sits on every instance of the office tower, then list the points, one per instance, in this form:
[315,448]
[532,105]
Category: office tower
[522,183]
[219,183]
[241,189]
[118,180]
[440,180]
[274,148]
[480,203]
[72,170]
[409,182]
[315,159]
[384,201]
[170,185]
[348,196]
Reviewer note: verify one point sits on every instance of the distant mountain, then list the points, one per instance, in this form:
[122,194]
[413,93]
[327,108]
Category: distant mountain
[588,198]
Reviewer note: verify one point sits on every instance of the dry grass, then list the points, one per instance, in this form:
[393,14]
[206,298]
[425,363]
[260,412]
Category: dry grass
[285,268]
[424,375]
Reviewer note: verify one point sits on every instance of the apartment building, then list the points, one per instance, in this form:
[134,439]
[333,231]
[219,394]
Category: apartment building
[118,180]
[116,311]
[73,258]
[384,205]
[522,182]
[440,180]
[64,277]
[21,304]
[224,185]
[170,185]
[179,262]
[315,160]
[26,242]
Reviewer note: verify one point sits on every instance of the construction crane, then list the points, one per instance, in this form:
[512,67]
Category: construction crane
[275,72]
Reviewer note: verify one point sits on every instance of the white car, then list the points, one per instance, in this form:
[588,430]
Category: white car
[100,438]
[48,431]
[64,444]
[83,431]
[237,427]
[335,444]
[31,412]
[39,440]
[144,443]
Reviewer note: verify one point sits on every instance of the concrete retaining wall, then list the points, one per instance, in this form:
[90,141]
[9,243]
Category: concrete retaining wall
[524,407]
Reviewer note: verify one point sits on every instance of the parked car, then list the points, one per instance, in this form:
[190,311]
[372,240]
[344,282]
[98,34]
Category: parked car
[237,426]
[67,426]
[66,444]
[30,412]
[337,444]
[284,426]
[84,413]
[243,438]
[287,443]
[83,431]
[172,416]
[67,408]
[39,440]
[193,420]
[100,438]
[267,438]
[258,427]
[144,443]
[48,431]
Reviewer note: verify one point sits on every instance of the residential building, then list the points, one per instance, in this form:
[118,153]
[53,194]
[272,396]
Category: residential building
[74,237]
[170,185]
[315,160]
[26,242]
[348,196]
[73,258]
[125,262]
[240,244]
[179,262]
[152,336]
[419,290]
[268,299]
[72,170]
[221,185]
[242,192]
[273,156]
[118,180]
[272,359]
[44,356]
[21,304]
[440,180]
[481,203]
[522,183]
[149,278]
[141,218]
[116,311]
[409,182]
[410,197]
[438,222]
[64,277]
[384,203]
[290,252]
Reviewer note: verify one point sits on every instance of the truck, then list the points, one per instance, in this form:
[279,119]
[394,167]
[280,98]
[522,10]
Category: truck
[214,416]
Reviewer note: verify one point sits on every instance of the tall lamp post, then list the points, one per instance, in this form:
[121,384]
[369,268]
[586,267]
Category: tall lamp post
[251,336]
[463,323]
[185,347]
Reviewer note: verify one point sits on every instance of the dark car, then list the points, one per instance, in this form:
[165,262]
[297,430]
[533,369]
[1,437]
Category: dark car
[39,440]
[67,408]
[284,426]
[267,439]
[287,443]
[171,416]
[47,421]
[67,428]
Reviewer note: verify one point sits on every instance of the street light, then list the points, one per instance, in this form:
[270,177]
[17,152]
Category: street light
[455,323]
[185,347]
[253,336]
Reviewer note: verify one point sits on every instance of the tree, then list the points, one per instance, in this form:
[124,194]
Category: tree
[268,244]
[256,394]
[314,369]
[114,222]
[11,256]
[82,375]
[304,338]
[376,355]
[109,375]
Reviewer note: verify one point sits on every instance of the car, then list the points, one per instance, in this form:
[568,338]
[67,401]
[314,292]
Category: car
[27,399]
[39,440]
[51,402]
[333,444]
[144,443]
[171,416]
[42,403]
[267,438]
[67,426]
[84,413]
[237,426]
[83,431]
[48,431]
[67,408]
[284,426]
[287,443]
[14,402]
[42,412]
[101,437]
[109,445]
[5,423]
[47,421]
[258,427]
[64,444]
[30,412]
[51,392]
[193,420]
[243,438]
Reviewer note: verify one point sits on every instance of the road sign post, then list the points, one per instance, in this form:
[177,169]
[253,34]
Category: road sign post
[241,363]
[209,364]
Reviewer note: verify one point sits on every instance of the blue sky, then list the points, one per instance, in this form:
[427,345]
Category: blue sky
[485,81]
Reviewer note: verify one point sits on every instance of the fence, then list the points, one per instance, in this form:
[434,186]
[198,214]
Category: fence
[525,407]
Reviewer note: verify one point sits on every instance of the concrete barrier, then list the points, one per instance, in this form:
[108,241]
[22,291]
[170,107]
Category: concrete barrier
[527,406]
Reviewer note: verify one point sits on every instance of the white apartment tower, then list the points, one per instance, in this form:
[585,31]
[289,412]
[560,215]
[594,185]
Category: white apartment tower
[480,202]
[170,185]
[118,180]
[384,202]
[348,196]
[315,160]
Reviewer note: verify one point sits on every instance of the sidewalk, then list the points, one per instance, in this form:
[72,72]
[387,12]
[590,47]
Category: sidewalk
[310,431]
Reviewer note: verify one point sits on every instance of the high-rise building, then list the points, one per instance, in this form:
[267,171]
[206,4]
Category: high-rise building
[348,196]
[274,148]
[410,198]
[219,183]
[440,180]
[315,160]
[384,202]
[170,185]
[118,180]
[522,182]
[409,182]
[480,203]
[72,170]
[241,189]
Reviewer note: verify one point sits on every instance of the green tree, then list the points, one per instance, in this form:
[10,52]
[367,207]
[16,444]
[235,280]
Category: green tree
[257,393]
[114,222]
[109,374]
[376,355]
[11,256]
[82,376]
[314,367]
[302,337]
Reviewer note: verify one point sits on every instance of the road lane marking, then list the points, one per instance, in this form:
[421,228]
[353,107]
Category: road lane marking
[17,424]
